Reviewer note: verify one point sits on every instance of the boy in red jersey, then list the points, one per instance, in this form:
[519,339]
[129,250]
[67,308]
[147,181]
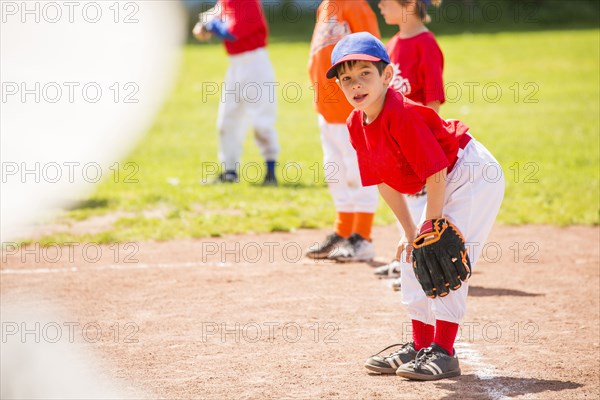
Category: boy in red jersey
[402,146]
[247,94]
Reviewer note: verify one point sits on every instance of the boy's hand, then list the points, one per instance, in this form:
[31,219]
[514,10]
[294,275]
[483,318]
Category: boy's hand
[440,259]
[405,245]
[200,32]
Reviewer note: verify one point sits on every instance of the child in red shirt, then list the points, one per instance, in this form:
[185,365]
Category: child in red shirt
[246,94]
[402,146]
[414,53]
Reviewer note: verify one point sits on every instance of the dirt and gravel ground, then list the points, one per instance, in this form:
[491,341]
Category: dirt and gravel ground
[248,317]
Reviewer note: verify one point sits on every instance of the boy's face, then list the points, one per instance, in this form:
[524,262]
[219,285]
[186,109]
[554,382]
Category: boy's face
[364,87]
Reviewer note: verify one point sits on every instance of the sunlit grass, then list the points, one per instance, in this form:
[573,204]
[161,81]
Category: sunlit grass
[532,98]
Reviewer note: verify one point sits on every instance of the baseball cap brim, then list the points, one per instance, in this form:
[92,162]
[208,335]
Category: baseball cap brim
[350,57]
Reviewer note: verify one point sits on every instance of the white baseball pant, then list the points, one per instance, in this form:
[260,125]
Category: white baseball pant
[341,171]
[247,98]
[474,192]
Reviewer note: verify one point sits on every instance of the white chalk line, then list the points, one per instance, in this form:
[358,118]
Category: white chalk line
[481,369]
[30,270]
[131,266]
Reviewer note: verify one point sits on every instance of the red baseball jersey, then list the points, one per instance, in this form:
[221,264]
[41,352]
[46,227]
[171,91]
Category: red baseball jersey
[246,21]
[405,144]
[418,65]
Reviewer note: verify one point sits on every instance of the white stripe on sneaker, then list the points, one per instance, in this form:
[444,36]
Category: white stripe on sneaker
[394,362]
[431,369]
[439,370]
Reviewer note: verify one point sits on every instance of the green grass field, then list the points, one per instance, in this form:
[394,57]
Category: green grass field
[531,97]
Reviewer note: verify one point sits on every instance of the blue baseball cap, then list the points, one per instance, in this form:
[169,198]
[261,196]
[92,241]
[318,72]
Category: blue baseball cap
[361,46]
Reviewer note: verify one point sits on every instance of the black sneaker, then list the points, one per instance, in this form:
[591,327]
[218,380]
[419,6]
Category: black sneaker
[430,364]
[321,250]
[389,364]
[226,177]
[270,180]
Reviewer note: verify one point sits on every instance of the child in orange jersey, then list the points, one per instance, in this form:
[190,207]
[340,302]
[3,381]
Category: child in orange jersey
[355,205]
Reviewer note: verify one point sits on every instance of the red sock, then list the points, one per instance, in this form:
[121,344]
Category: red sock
[422,334]
[445,335]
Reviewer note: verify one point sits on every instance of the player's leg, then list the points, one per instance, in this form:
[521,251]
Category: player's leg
[361,200]
[231,124]
[422,320]
[259,93]
[474,192]
[335,177]
[417,305]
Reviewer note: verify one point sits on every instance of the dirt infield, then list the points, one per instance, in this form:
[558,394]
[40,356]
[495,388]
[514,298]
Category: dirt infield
[246,317]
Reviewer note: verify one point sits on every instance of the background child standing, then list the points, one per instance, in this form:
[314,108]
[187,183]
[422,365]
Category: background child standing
[245,98]
[355,205]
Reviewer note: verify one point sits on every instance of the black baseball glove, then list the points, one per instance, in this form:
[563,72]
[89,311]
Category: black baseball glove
[440,259]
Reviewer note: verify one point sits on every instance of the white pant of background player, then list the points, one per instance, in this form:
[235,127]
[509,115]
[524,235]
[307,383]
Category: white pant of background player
[341,171]
[248,98]
[474,192]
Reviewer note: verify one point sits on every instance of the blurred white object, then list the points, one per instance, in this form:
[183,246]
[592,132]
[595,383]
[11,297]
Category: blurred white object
[44,357]
[80,82]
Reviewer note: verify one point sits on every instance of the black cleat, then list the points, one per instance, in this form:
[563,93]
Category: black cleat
[270,180]
[226,177]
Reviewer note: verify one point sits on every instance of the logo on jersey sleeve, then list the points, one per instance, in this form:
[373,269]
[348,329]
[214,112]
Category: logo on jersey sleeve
[328,33]
[399,83]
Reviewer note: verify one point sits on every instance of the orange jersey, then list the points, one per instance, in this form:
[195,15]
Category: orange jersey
[335,19]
